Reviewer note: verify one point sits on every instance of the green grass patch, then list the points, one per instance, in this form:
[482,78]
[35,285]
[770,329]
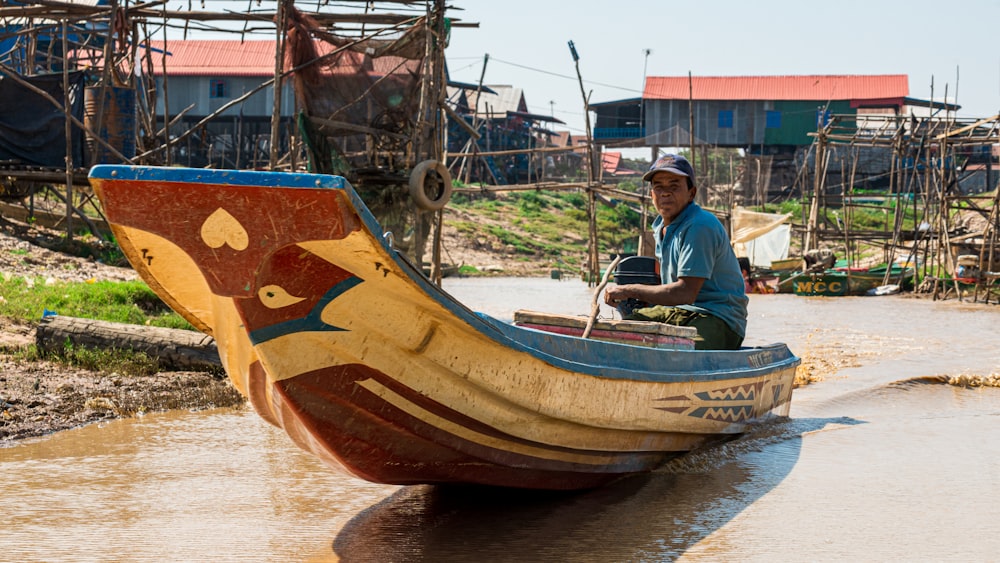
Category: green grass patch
[108,361]
[873,217]
[551,224]
[132,302]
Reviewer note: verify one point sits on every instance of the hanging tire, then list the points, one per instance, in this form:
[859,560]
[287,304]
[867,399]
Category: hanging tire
[430,185]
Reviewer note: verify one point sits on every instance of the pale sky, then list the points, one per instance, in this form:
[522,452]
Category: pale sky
[952,43]
[940,41]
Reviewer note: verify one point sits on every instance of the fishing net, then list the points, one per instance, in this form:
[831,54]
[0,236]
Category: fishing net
[360,112]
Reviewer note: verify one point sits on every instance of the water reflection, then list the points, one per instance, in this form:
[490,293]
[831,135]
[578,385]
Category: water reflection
[651,517]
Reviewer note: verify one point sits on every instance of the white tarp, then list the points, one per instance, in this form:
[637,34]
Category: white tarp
[769,247]
[761,237]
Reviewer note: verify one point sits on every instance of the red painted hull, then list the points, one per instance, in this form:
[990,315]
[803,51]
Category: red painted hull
[376,441]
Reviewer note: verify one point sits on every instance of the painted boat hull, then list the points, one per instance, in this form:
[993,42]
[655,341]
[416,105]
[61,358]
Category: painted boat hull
[340,341]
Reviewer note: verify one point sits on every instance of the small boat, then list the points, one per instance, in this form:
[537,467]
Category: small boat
[341,341]
[835,282]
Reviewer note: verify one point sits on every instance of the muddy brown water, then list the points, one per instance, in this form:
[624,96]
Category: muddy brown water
[879,461]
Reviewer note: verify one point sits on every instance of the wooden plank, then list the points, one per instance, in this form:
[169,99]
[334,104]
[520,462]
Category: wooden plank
[611,325]
[969,127]
[45,218]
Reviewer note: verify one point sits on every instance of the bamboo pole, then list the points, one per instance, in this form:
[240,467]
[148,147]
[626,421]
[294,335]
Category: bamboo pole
[992,241]
[989,241]
[279,62]
[593,262]
[890,255]
[475,115]
[848,255]
[166,96]
[700,193]
[595,305]
[105,74]
[510,152]
[819,163]
[69,132]
[439,141]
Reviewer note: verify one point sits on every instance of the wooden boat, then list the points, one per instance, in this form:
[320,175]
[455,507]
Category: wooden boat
[339,340]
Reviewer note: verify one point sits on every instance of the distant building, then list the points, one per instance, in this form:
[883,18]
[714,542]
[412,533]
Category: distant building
[203,76]
[767,114]
[771,118]
[199,77]
[502,119]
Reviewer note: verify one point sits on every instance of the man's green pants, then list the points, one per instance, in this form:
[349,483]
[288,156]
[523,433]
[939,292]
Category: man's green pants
[713,332]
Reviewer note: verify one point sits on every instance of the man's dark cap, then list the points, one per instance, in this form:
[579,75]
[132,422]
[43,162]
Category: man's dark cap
[670,163]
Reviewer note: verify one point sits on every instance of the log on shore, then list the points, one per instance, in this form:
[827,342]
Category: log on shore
[175,349]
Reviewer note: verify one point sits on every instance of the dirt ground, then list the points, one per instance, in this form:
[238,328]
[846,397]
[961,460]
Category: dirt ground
[41,397]
[489,255]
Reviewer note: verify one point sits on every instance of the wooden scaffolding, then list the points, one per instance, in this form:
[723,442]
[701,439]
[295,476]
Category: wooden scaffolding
[916,168]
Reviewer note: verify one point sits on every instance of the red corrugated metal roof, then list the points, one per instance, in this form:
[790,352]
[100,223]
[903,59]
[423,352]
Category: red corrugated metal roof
[610,161]
[815,87]
[205,57]
[196,57]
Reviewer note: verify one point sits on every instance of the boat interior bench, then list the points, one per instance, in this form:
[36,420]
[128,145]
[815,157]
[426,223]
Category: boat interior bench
[638,333]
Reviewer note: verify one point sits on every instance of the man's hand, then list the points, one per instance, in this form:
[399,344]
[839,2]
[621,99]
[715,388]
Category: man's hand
[615,294]
[684,291]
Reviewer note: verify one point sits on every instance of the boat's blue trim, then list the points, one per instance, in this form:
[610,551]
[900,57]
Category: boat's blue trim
[212,176]
[624,361]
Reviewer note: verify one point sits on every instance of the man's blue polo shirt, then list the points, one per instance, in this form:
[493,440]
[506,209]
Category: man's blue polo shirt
[695,244]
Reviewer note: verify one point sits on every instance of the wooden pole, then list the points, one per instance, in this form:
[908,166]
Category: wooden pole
[691,130]
[819,164]
[595,305]
[69,132]
[166,97]
[593,262]
[846,191]
[894,189]
[279,61]
[436,273]
[440,144]
[643,225]
[105,74]
[989,241]
[944,203]
[475,114]
[173,348]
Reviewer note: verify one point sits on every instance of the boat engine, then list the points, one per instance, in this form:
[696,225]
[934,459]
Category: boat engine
[636,269]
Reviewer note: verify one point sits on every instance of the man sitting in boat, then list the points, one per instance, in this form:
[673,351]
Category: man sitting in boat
[702,285]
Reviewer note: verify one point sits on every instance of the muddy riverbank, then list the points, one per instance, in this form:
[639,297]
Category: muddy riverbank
[41,397]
